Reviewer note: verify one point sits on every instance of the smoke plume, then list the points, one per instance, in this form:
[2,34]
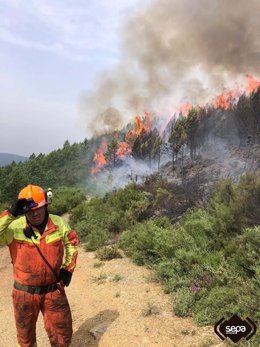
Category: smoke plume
[172,51]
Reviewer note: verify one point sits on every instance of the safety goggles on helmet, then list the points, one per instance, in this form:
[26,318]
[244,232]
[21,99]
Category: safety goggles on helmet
[35,195]
[30,204]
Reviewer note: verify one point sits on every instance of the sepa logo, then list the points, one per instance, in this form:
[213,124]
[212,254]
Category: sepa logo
[235,328]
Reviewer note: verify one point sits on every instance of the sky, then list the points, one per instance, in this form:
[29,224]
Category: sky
[50,54]
[71,69]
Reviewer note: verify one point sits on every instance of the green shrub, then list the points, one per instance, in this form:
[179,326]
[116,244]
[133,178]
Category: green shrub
[77,213]
[248,196]
[200,225]
[162,198]
[168,241]
[183,302]
[209,261]
[162,222]
[113,213]
[89,217]
[82,229]
[247,246]
[140,243]
[171,274]
[108,253]
[215,304]
[136,209]
[65,199]
[95,239]
[123,199]
[3,206]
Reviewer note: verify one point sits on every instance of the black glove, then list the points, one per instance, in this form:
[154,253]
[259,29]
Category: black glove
[21,206]
[65,277]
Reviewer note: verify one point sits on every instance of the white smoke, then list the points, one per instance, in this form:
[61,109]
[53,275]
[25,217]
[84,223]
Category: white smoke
[175,50]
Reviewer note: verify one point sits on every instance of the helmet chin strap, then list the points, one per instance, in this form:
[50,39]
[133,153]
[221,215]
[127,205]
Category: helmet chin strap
[29,232]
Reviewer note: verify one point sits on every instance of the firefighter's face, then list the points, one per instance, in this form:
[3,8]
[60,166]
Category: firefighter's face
[36,217]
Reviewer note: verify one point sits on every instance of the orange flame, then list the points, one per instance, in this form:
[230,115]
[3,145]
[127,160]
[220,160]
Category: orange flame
[230,98]
[139,126]
[222,101]
[99,158]
[184,108]
[227,99]
[123,150]
[252,85]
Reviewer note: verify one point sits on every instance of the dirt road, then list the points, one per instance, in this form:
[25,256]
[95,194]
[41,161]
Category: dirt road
[113,305]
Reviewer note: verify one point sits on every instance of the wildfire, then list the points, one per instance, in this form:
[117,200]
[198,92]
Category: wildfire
[184,108]
[230,97]
[124,148]
[224,101]
[252,85]
[99,158]
[139,126]
[227,99]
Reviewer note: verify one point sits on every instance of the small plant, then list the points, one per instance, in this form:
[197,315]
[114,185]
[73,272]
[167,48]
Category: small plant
[150,310]
[101,278]
[117,295]
[207,343]
[108,253]
[98,265]
[185,332]
[117,278]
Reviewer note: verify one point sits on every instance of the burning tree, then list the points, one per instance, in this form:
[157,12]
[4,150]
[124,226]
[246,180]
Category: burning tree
[99,158]
[191,128]
[111,152]
[143,147]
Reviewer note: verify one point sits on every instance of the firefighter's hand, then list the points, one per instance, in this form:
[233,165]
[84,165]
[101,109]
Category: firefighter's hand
[21,206]
[65,277]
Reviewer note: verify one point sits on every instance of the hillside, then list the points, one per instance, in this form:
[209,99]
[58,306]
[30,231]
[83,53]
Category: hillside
[113,160]
[8,158]
[193,221]
[193,181]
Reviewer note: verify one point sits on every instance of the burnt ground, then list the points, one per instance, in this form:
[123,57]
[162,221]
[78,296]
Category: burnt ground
[190,183]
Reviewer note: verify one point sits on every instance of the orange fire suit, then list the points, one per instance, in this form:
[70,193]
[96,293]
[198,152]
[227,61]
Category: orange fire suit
[29,269]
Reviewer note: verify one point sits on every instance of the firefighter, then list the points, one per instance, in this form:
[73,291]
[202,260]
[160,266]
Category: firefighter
[37,241]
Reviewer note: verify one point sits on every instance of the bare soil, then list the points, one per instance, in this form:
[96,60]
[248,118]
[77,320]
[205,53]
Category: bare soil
[114,304]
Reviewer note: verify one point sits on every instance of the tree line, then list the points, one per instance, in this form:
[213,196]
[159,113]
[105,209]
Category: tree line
[71,165]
